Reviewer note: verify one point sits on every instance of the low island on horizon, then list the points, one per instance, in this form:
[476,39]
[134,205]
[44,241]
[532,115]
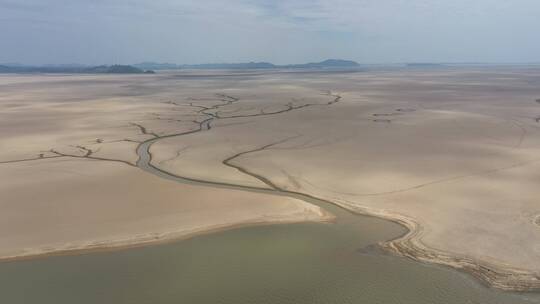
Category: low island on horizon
[150,67]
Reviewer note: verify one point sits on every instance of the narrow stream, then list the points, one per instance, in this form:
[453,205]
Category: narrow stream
[273,264]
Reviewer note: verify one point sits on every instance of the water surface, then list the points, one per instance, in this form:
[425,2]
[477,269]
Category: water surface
[296,263]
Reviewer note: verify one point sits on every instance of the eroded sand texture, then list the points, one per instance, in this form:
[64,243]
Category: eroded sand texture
[453,154]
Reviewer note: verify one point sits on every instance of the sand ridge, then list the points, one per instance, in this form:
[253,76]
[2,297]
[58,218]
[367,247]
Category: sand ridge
[76,205]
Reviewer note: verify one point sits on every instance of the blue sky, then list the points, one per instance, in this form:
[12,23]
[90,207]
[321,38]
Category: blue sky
[197,31]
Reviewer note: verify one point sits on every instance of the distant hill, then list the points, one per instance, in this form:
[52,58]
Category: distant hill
[115,69]
[76,69]
[226,66]
[149,67]
[4,69]
[329,63]
[156,66]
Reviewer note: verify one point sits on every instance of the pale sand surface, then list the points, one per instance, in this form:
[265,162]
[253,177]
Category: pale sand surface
[459,158]
[65,204]
[452,153]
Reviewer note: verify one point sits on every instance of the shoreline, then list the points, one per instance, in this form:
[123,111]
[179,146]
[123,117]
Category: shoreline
[409,245]
[151,239]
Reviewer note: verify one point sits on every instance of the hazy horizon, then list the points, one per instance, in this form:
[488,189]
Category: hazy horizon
[67,64]
[298,31]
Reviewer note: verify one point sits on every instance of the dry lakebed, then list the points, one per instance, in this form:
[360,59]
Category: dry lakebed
[383,181]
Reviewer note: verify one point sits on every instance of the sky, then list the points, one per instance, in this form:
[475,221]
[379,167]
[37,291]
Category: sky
[289,31]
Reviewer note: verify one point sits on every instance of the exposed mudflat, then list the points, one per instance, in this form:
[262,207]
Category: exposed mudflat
[451,154]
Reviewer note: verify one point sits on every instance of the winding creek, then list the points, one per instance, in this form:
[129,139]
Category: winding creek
[293,263]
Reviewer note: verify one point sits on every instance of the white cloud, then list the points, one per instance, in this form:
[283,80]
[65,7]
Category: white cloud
[280,31]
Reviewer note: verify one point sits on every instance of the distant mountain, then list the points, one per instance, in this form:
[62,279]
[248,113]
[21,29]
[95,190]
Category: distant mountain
[149,67]
[4,69]
[76,69]
[115,69]
[156,66]
[226,66]
[329,63]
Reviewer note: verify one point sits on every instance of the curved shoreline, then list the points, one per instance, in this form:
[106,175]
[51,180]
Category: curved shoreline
[410,246]
[407,245]
[150,239]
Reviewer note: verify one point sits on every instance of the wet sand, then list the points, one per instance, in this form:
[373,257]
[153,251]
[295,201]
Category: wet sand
[105,205]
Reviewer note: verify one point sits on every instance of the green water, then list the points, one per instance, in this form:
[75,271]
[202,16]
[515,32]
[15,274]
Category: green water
[298,263]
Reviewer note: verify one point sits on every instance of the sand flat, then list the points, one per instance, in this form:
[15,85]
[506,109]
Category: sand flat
[451,153]
[73,204]
[455,153]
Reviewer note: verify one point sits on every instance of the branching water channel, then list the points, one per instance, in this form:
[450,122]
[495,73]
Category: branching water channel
[334,262]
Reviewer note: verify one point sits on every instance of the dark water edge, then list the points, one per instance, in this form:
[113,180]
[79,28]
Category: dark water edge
[294,263]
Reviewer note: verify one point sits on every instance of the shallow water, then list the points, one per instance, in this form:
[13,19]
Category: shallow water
[297,263]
